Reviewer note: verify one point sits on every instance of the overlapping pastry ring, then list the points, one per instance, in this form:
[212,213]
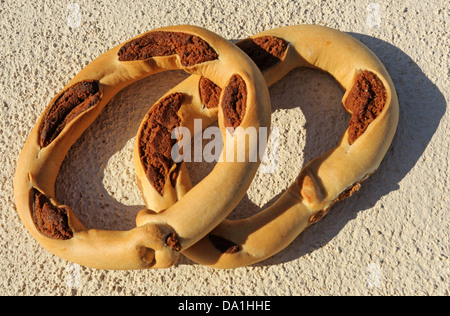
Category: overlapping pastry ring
[371,100]
[156,244]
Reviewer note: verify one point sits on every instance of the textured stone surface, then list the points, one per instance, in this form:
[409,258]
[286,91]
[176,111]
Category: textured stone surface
[391,238]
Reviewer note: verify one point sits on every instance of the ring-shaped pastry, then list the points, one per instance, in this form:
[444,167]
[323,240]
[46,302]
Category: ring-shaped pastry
[157,243]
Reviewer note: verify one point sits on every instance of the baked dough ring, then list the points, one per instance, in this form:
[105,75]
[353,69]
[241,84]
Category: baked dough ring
[157,243]
[371,99]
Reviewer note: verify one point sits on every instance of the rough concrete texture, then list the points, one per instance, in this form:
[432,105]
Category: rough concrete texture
[391,238]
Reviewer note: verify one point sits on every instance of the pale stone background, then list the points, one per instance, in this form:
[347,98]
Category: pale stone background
[391,238]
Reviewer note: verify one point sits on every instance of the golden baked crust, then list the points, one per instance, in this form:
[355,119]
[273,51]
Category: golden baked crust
[155,244]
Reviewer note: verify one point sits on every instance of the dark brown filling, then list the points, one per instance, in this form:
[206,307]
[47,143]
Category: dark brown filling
[224,245]
[265,51]
[234,102]
[317,217]
[191,49]
[51,220]
[343,196]
[173,242]
[366,101]
[209,93]
[72,102]
[156,143]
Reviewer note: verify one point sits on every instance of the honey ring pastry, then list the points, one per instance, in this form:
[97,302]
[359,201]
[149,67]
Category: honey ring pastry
[156,244]
[371,100]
